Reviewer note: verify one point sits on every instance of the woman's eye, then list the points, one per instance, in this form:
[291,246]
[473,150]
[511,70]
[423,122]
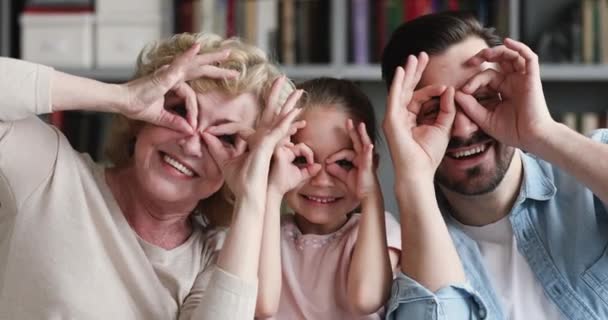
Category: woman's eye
[431,112]
[179,110]
[228,139]
[345,164]
[300,161]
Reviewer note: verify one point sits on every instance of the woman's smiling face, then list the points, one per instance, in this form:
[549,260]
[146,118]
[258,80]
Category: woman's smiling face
[176,167]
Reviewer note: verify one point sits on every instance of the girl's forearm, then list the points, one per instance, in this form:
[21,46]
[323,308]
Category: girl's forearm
[370,273]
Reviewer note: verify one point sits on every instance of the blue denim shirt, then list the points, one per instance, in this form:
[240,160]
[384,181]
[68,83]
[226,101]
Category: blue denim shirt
[561,229]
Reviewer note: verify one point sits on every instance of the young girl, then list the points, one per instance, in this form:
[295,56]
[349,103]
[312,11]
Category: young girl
[333,255]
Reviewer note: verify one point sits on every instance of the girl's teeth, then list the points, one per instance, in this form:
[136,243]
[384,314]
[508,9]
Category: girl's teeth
[469,152]
[321,200]
[180,167]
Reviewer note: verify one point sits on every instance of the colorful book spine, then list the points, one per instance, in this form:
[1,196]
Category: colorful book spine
[359,33]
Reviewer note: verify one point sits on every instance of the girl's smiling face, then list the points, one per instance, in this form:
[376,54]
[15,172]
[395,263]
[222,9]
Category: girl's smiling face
[321,204]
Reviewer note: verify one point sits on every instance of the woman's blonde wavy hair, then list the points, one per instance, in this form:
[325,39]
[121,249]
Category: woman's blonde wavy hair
[256,75]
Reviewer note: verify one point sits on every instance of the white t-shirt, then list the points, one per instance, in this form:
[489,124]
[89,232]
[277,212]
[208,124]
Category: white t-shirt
[520,293]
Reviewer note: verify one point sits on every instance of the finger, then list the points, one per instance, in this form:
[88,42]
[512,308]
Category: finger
[273,100]
[295,127]
[310,170]
[510,60]
[185,57]
[290,103]
[394,97]
[423,60]
[531,58]
[487,78]
[478,113]
[409,83]
[175,72]
[354,136]
[208,71]
[216,148]
[365,139]
[282,128]
[241,130]
[184,91]
[212,57]
[447,110]
[335,170]
[301,149]
[423,95]
[173,121]
[367,161]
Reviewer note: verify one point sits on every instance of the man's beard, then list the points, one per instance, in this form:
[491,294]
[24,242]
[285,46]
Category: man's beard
[478,179]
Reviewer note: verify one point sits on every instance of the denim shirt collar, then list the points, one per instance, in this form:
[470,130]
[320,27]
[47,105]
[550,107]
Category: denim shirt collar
[536,184]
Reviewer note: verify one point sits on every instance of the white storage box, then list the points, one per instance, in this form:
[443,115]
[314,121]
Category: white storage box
[135,8]
[119,41]
[59,40]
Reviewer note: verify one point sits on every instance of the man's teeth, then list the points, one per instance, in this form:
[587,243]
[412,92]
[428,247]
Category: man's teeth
[180,167]
[321,200]
[469,152]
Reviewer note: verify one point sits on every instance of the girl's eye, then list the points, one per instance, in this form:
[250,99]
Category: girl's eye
[345,164]
[228,139]
[300,161]
[179,110]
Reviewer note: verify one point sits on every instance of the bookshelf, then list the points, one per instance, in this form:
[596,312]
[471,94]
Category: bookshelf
[568,87]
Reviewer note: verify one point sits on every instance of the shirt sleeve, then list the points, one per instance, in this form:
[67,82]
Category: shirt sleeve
[25,89]
[217,294]
[224,297]
[410,300]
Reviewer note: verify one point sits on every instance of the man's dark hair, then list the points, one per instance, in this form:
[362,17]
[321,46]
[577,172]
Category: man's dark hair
[432,33]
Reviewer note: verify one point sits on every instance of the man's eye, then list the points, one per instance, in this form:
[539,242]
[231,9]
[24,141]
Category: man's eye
[345,164]
[228,138]
[179,110]
[300,161]
[488,100]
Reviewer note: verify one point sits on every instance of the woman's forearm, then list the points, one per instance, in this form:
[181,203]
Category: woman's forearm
[269,275]
[241,251]
[69,92]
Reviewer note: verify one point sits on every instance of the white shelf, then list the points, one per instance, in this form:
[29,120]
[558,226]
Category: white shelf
[574,72]
[353,72]
[549,72]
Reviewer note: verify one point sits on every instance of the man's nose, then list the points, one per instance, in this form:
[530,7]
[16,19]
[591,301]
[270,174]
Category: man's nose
[463,126]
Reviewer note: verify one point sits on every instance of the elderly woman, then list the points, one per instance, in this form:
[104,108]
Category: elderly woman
[142,239]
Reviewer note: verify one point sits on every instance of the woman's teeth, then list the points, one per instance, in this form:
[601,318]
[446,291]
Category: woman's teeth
[320,199]
[178,166]
[469,152]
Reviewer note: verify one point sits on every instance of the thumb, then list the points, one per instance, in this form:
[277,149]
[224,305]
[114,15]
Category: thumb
[478,113]
[174,122]
[216,149]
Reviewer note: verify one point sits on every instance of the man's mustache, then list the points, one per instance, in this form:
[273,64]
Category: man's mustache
[477,137]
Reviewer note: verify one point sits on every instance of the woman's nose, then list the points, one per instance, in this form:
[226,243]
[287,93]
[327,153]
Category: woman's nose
[192,145]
